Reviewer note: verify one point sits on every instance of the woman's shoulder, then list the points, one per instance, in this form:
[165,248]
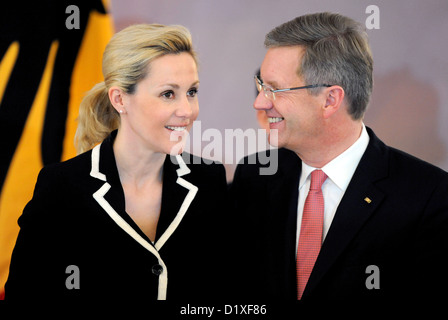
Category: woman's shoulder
[60,171]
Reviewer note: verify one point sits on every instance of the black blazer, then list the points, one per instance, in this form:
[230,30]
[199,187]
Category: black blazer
[402,229]
[77,218]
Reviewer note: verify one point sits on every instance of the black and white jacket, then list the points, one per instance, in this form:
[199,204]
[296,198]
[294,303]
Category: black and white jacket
[76,226]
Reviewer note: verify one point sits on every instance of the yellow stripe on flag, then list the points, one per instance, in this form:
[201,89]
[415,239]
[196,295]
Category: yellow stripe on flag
[26,163]
[25,166]
[7,65]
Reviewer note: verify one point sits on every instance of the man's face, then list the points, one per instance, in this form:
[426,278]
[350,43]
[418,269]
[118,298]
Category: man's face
[297,115]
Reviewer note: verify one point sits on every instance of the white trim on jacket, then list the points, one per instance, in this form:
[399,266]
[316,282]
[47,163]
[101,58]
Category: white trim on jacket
[154,249]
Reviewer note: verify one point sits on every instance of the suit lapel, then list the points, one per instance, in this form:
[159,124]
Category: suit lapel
[359,202]
[177,193]
[110,197]
[173,195]
[282,191]
[175,198]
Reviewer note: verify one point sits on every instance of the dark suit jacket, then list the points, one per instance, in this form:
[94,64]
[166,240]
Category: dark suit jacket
[403,230]
[77,217]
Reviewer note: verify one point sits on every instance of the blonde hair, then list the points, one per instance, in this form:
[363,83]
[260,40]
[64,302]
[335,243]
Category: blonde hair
[126,61]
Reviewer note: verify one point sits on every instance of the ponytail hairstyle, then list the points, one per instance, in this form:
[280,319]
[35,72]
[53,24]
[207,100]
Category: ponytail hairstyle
[126,61]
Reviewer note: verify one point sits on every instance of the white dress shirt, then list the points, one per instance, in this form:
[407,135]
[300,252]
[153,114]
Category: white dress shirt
[340,171]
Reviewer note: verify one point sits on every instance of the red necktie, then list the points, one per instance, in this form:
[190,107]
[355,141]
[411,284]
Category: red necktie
[310,239]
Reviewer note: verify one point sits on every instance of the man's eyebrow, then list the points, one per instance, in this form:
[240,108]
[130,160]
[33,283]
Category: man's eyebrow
[272,84]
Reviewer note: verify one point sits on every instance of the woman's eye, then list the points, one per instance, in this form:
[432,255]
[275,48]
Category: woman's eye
[192,92]
[168,94]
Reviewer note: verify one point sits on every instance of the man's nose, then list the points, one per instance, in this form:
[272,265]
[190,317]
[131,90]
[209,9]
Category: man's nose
[262,103]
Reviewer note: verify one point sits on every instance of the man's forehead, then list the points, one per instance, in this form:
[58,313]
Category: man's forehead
[280,65]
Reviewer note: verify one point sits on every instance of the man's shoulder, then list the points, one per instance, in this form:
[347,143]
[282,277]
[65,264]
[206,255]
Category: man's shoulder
[402,162]
[268,163]
[261,158]
[399,163]
[398,171]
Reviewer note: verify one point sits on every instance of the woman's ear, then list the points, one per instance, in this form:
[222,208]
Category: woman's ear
[116,97]
[334,98]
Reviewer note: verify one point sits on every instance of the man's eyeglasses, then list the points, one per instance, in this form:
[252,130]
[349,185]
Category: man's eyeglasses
[269,92]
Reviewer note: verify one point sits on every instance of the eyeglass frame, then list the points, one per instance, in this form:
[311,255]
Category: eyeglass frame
[265,87]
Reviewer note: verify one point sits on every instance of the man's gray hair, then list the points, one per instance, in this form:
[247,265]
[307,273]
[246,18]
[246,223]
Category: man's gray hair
[336,53]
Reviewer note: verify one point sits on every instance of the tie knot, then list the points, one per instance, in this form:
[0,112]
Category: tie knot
[318,178]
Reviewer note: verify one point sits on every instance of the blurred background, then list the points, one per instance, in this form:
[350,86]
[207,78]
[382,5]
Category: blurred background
[408,109]
[51,56]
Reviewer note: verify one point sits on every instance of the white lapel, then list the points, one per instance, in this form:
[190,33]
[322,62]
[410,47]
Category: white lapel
[192,190]
[99,197]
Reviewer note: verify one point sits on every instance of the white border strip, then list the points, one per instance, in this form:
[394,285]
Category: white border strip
[99,197]
[183,209]
[163,277]
[95,171]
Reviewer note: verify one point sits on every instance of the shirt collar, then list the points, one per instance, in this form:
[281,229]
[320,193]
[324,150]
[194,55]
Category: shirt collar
[341,169]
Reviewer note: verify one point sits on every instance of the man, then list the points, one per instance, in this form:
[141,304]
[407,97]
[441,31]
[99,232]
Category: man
[344,216]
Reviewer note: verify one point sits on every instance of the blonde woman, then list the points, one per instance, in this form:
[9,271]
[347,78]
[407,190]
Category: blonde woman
[130,217]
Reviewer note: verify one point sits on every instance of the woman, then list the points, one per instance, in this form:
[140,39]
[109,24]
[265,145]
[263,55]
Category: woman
[131,218]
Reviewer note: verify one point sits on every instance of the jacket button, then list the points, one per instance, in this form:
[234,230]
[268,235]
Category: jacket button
[157,269]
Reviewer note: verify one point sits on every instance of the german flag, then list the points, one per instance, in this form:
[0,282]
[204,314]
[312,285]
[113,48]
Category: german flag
[50,56]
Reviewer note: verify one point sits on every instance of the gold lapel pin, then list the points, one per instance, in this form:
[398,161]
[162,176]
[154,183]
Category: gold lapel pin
[367,199]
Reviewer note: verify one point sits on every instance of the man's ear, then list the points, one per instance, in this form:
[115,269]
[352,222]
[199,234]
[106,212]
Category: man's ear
[116,97]
[334,99]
